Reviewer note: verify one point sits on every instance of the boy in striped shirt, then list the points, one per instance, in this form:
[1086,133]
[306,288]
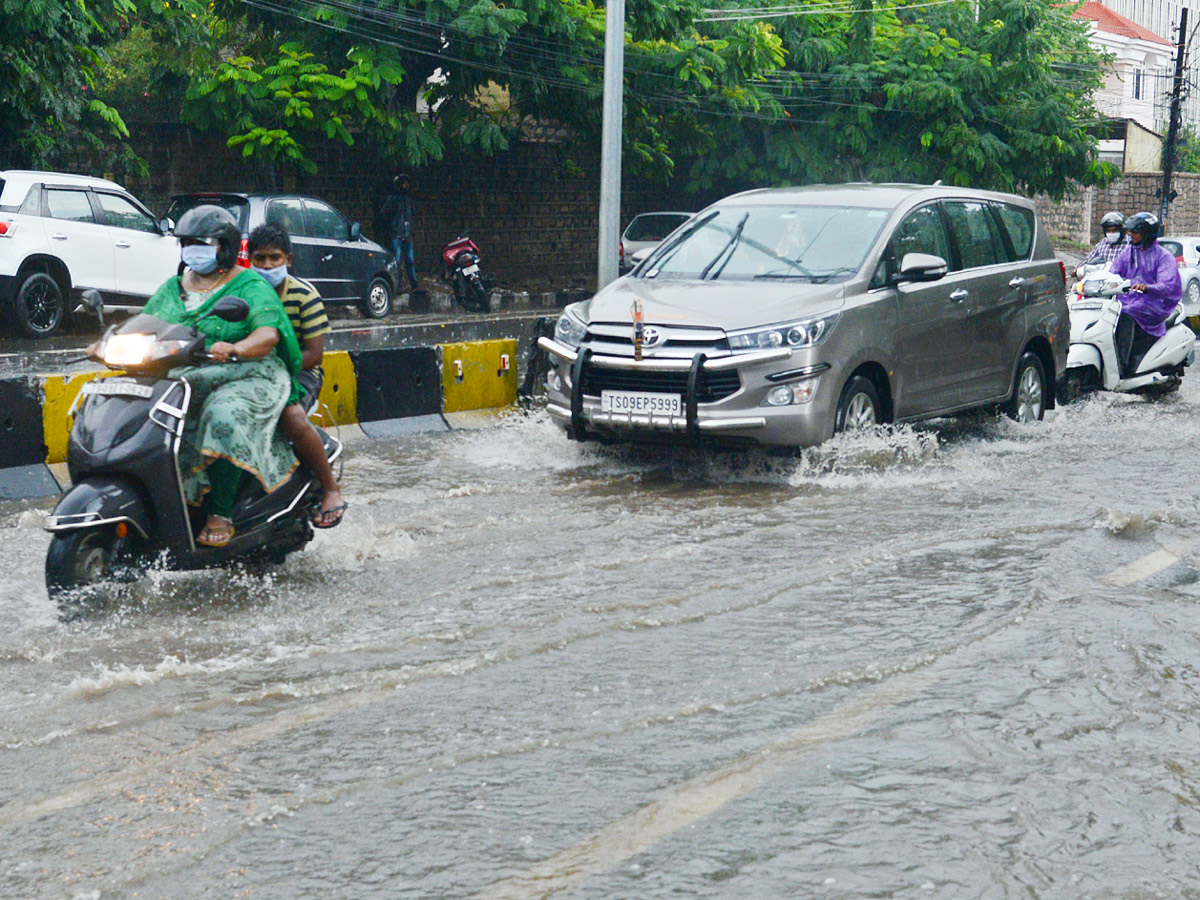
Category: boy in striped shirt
[270,250]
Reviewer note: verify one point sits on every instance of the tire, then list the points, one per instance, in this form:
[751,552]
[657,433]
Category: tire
[378,301]
[858,407]
[81,569]
[1028,400]
[471,294]
[1191,294]
[38,306]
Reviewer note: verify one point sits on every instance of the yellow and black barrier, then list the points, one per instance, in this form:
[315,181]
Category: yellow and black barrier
[386,392]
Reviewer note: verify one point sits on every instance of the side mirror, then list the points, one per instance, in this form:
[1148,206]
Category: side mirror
[93,302]
[921,267]
[355,231]
[165,225]
[231,309]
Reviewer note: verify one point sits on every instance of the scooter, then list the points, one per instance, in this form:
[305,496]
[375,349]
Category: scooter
[126,507]
[1092,358]
[460,267]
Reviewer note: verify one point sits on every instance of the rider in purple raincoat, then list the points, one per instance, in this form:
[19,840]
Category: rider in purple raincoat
[1155,292]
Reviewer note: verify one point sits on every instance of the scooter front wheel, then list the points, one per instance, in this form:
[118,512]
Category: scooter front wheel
[81,567]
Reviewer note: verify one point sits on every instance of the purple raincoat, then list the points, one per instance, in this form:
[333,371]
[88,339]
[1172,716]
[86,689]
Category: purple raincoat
[1156,268]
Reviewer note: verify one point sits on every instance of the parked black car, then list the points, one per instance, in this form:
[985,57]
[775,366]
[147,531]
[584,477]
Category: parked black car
[328,250]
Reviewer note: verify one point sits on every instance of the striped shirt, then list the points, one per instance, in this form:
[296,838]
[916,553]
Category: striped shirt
[303,305]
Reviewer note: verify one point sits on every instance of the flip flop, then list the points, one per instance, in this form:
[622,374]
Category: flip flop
[210,538]
[337,512]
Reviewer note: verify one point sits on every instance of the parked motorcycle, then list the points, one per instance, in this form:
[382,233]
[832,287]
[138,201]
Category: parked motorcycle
[126,506]
[460,268]
[1092,359]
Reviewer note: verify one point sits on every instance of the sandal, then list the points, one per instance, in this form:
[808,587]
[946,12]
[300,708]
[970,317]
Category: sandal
[215,537]
[322,517]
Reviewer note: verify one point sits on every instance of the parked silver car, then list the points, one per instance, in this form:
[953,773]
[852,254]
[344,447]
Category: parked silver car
[1186,249]
[645,232]
[779,317]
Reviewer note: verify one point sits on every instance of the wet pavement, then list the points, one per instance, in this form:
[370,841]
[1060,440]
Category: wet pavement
[954,661]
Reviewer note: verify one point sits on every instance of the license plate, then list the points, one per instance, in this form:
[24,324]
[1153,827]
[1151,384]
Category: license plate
[641,403]
[471,269]
[108,387]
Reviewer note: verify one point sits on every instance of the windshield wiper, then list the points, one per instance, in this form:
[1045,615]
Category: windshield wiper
[661,255]
[786,273]
[841,270]
[729,245]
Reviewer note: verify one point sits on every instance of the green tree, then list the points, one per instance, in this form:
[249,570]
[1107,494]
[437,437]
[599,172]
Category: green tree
[50,54]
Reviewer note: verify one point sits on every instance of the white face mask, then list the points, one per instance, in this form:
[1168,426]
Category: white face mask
[1112,236]
[200,258]
[274,276]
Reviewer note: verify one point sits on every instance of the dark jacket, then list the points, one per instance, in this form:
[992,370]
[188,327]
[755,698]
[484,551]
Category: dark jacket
[397,214]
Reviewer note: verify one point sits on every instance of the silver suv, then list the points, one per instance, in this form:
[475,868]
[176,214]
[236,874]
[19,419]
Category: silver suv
[780,317]
[62,233]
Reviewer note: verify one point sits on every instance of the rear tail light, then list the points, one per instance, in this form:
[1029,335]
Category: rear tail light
[1062,267]
[243,259]
[7,228]
[621,251]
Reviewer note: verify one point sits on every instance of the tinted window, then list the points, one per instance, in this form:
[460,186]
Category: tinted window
[921,232]
[974,233]
[72,205]
[809,243]
[326,222]
[236,206]
[288,214]
[653,226]
[1018,222]
[120,213]
[1173,247]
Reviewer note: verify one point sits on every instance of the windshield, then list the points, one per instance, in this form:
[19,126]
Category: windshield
[807,243]
[237,206]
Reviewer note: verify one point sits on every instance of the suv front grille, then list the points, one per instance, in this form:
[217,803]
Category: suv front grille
[710,387]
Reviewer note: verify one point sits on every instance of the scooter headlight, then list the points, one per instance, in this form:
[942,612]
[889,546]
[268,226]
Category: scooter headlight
[127,349]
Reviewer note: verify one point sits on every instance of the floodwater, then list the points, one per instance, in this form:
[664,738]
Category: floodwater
[958,661]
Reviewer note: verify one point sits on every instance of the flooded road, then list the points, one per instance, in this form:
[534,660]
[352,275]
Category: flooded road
[958,661]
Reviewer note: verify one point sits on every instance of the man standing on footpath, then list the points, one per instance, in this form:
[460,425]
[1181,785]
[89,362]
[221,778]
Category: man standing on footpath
[397,214]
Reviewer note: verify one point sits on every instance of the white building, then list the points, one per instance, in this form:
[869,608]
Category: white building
[1161,17]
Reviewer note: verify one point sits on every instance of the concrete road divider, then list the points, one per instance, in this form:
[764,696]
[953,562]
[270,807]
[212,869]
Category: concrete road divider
[387,392]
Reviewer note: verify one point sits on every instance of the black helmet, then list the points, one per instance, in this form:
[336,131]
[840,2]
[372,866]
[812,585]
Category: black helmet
[1145,224]
[1112,220]
[402,178]
[206,222]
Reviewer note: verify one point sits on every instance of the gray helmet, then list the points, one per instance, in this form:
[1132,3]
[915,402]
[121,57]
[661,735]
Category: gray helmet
[1112,220]
[1144,223]
[207,222]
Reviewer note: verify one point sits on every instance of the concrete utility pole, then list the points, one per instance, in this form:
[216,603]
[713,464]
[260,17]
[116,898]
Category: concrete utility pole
[1169,146]
[610,141]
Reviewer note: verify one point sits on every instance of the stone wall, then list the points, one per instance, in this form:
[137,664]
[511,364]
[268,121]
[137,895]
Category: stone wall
[1076,219]
[533,210]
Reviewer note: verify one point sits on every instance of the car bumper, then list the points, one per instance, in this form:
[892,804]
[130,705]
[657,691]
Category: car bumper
[8,287]
[740,418]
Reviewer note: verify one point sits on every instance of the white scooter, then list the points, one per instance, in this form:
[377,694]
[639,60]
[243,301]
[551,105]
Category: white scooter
[1092,359]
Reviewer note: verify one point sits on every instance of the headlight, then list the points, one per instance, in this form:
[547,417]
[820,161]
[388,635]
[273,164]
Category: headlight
[569,330]
[806,333]
[127,349]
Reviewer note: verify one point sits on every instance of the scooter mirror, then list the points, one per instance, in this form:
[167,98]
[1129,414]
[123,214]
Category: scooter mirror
[93,302]
[355,231]
[231,309]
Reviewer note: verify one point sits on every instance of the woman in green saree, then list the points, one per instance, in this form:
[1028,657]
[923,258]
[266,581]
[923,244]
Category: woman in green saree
[240,395]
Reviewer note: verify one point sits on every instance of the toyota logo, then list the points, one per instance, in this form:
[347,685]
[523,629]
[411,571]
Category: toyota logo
[652,337]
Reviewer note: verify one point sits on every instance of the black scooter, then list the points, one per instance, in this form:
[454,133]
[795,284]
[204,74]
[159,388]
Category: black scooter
[126,508]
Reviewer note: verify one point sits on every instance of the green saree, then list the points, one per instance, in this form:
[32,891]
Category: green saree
[239,403]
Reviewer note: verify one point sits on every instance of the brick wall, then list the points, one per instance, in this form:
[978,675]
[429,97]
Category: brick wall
[1077,218]
[533,215]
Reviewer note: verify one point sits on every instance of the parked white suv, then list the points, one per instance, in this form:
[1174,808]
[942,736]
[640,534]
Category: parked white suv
[60,234]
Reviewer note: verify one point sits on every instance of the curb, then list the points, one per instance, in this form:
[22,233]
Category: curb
[387,392]
[501,300]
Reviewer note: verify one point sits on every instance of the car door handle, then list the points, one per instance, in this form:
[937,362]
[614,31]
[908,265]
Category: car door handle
[327,257]
[960,295]
[58,236]
[123,245]
[1017,282]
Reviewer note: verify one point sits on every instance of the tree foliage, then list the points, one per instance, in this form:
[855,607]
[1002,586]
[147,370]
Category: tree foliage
[992,94]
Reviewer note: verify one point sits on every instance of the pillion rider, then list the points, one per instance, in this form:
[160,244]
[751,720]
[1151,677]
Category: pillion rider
[1112,243]
[1154,293]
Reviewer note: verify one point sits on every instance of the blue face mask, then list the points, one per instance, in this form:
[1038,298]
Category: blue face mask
[200,258]
[274,276]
